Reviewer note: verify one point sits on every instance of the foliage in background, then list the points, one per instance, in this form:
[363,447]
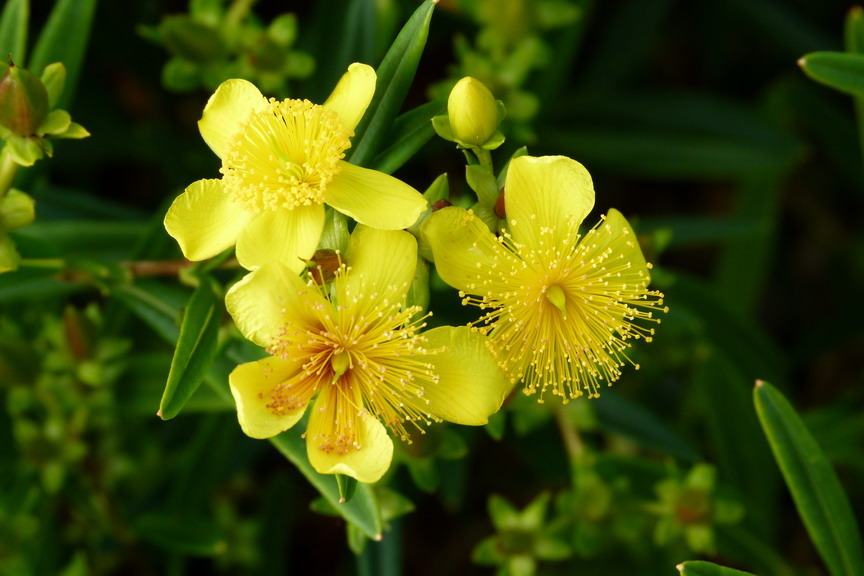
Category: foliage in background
[741,177]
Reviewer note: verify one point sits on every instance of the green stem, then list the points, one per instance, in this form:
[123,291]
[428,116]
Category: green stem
[8,167]
[485,158]
[57,263]
[572,441]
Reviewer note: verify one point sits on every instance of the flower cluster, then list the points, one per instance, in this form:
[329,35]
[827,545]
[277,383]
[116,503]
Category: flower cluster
[346,343]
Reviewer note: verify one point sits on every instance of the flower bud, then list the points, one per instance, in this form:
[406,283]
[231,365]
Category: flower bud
[473,112]
[23,100]
[17,210]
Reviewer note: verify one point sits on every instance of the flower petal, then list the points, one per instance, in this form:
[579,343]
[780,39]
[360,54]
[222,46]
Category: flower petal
[381,262]
[368,463]
[266,301]
[617,230]
[226,111]
[546,193]
[204,220]
[467,255]
[352,94]
[252,385]
[374,198]
[286,236]
[464,396]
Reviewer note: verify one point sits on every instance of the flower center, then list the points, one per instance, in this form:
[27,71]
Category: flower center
[364,351]
[285,155]
[555,295]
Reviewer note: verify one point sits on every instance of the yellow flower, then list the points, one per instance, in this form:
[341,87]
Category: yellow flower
[561,307]
[354,351]
[281,162]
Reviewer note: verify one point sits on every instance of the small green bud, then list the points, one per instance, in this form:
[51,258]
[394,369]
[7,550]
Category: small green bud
[17,210]
[191,40]
[283,30]
[473,112]
[23,100]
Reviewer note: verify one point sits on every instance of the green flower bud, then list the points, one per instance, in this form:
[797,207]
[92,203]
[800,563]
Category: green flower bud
[23,100]
[17,210]
[473,112]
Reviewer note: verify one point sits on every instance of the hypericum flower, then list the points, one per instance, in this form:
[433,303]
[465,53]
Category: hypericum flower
[561,306]
[355,352]
[281,162]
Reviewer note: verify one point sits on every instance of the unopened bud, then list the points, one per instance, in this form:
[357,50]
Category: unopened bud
[23,100]
[473,112]
[17,210]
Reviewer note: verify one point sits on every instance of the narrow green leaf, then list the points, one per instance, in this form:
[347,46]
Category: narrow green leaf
[13,30]
[817,492]
[395,75]
[701,568]
[362,510]
[410,132]
[347,486]
[196,347]
[839,70]
[64,39]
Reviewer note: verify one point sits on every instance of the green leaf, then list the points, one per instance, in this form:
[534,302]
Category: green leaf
[410,132]
[395,75]
[185,535]
[839,70]
[347,486]
[64,39]
[195,350]
[701,568]
[13,30]
[362,510]
[817,492]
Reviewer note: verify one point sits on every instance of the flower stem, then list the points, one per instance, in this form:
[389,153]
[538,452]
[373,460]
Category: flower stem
[572,441]
[57,263]
[485,158]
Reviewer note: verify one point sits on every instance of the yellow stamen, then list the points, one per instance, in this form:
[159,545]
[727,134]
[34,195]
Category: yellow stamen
[285,155]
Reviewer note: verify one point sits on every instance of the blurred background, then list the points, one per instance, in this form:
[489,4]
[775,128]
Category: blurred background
[742,177]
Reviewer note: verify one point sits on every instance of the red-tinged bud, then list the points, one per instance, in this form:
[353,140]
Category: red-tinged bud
[439,204]
[23,100]
[500,207]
